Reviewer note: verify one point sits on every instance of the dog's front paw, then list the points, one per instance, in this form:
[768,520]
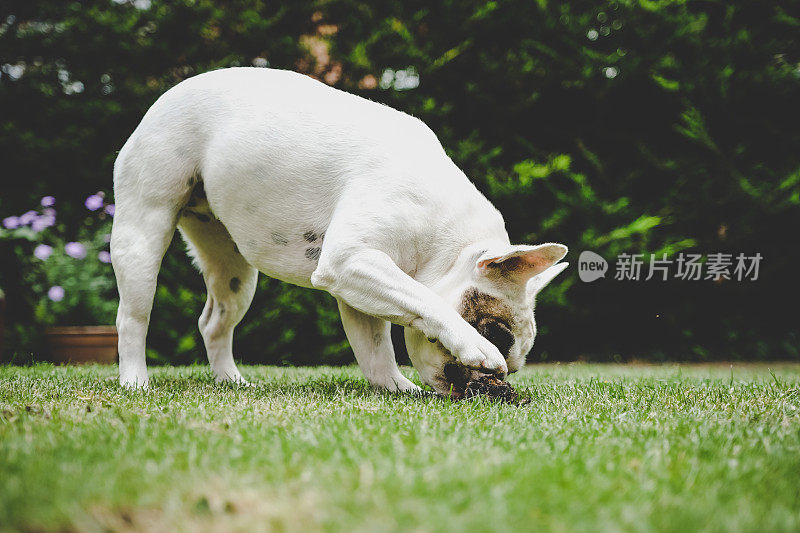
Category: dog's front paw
[477,353]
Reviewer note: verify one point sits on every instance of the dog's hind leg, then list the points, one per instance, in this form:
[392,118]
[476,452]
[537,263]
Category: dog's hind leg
[231,284]
[370,338]
[147,203]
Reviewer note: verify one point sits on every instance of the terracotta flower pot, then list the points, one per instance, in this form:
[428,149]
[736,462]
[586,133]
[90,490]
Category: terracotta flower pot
[82,344]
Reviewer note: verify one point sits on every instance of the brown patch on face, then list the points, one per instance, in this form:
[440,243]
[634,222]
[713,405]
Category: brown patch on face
[490,316]
[511,265]
[509,268]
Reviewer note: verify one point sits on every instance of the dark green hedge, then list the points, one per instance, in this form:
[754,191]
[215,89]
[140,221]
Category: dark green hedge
[626,126]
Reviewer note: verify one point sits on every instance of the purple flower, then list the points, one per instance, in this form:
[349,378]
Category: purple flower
[110,209]
[107,237]
[42,222]
[27,218]
[11,222]
[49,211]
[42,252]
[104,256]
[48,201]
[56,293]
[94,202]
[75,249]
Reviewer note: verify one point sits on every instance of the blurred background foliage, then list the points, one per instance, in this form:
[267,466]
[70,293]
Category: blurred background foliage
[638,126]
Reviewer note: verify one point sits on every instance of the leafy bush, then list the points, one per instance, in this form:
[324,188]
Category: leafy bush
[622,126]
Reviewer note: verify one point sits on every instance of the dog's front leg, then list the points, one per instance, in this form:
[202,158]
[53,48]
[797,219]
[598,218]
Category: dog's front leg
[368,280]
[371,340]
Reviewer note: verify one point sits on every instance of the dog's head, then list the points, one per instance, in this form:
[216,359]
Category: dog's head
[494,291]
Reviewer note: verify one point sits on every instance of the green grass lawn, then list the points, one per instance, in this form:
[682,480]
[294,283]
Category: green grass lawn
[639,448]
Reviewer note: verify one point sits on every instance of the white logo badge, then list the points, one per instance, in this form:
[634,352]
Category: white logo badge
[591,266]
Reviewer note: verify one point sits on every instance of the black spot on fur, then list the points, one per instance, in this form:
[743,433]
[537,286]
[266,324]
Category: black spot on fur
[312,254]
[202,218]
[490,316]
[235,284]
[310,236]
[278,238]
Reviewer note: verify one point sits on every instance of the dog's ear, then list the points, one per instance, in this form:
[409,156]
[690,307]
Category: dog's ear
[520,263]
[540,281]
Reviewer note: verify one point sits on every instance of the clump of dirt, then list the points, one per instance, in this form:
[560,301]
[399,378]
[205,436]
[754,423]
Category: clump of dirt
[486,386]
[493,389]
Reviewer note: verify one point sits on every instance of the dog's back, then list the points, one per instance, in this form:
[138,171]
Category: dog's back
[291,122]
[283,151]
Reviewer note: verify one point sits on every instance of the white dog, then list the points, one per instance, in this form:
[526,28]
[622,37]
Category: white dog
[268,170]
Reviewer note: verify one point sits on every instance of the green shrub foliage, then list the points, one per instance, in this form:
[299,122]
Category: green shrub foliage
[620,127]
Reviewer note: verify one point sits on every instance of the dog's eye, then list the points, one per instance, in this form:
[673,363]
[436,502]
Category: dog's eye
[497,333]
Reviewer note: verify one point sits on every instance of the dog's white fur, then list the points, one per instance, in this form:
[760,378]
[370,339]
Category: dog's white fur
[323,189]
